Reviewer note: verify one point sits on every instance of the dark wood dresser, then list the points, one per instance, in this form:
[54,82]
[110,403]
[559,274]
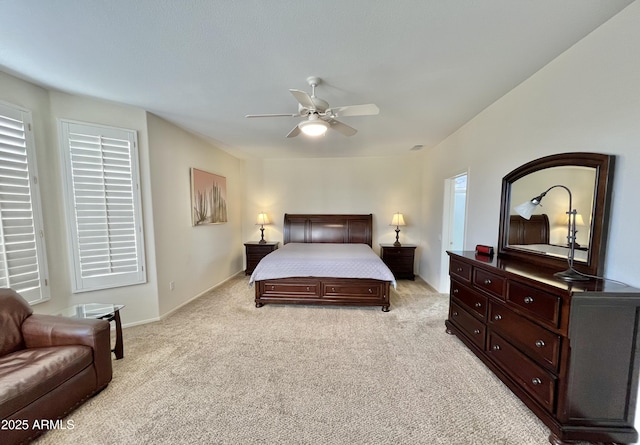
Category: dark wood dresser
[399,259]
[255,251]
[569,351]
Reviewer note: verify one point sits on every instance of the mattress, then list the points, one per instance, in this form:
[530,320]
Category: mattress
[322,260]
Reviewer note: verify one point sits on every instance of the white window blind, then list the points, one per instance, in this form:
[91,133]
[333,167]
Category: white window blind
[103,205]
[23,265]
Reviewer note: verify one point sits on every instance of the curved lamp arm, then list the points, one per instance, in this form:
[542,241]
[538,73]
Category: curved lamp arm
[526,209]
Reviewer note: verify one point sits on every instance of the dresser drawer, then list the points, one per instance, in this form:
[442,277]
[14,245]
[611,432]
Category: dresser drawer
[541,345]
[490,282]
[460,270]
[471,326]
[543,306]
[309,288]
[535,380]
[474,302]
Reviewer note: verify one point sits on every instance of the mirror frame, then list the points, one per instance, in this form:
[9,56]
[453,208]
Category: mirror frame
[600,212]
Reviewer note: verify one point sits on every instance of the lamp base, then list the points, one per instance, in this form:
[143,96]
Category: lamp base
[570,275]
[397,243]
[262,240]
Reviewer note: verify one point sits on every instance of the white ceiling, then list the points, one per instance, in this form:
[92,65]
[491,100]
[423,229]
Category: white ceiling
[429,65]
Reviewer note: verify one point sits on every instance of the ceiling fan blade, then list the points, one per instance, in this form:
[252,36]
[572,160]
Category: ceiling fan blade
[342,128]
[356,110]
[293,133]
[272,115]
[304,99]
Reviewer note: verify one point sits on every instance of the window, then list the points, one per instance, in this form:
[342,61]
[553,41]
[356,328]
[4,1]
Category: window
[23,265]
[103,205]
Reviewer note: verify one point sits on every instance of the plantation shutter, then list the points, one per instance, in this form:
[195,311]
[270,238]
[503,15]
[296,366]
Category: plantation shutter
[103,205]
[23,265]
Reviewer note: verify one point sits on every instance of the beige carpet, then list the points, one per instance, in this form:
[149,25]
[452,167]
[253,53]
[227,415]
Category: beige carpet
[220,371]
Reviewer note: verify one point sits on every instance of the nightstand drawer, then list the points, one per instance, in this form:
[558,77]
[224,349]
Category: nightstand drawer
[397,252]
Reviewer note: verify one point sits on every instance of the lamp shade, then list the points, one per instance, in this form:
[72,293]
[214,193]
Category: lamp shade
[262,219]
[526,209]
[398,220]
[315,127]
[578,217]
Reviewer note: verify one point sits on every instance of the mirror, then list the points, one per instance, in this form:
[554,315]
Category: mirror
[543,238]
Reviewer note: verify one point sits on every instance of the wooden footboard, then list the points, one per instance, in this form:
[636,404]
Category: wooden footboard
[332,291]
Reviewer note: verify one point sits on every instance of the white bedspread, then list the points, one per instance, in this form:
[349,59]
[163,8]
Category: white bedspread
[558,251]
[322,260]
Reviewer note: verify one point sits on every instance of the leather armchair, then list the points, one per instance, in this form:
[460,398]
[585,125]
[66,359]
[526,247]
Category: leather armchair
[48,366]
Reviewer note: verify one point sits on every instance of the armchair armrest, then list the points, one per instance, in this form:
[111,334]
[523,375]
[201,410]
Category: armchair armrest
[40,331]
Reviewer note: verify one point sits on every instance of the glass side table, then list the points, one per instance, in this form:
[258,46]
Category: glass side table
[109,312]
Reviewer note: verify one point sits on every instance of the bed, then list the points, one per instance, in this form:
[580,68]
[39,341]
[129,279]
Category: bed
[533,235]
[325,260]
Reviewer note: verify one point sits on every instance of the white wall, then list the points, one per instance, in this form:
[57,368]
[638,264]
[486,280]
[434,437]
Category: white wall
[194,258]
[378,185]
[588,99]
[46,107]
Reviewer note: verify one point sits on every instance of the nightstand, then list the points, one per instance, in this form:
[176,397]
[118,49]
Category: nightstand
[255,252]
[399,259]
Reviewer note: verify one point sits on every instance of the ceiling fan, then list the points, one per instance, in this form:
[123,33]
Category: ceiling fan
[319,117]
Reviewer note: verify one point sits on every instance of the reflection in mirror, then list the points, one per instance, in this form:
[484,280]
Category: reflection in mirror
[543,239]
[550,218]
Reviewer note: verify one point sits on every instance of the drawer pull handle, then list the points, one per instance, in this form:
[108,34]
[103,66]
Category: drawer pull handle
[539,343]
[478,304]
[273,287]
[333,289]
[455,291]
[487,281]
[307,288]
[496,347]
[476,331]
[536,381]
[497,317]
[370,291]
[459,269]
[528,300]
[454,313]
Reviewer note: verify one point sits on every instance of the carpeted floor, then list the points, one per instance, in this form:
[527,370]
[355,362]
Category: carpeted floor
[220,371]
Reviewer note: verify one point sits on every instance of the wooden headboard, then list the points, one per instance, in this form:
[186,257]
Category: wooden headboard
[532,231]
[313,228]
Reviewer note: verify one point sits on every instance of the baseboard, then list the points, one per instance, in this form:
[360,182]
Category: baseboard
[163,316]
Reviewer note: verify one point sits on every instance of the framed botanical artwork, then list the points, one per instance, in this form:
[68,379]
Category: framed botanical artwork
[208,198]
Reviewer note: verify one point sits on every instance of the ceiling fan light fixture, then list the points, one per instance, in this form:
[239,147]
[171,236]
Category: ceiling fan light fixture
[315,127]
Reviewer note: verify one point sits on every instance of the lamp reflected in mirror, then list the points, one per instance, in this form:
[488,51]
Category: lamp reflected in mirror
[579,220]
[527,208]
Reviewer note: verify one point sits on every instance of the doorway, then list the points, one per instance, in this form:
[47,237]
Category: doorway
[453,222]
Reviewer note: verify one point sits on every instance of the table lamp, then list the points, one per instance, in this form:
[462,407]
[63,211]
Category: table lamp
[398,220]
[262,220]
